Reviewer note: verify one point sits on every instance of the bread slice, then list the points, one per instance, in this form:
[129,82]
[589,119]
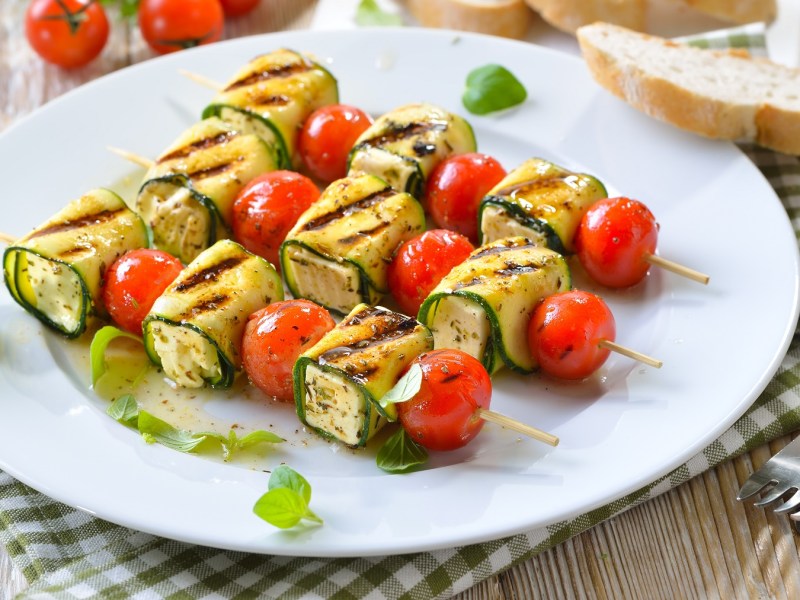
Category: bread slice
[568,15]
[718,94]
[507,18]
[737,11]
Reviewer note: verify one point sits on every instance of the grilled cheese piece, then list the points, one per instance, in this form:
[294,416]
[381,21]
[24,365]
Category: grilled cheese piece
[338,252]
[187,196]
[56,271]
[194,330]
[339,381]
[483,305]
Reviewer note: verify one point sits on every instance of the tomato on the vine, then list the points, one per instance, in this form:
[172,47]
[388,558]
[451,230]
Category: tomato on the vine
[421,263]
[67,33]
[170,25]
[273,339]
[613,240]
[455,189]
[237,8]
[326,138]
[134,281]
[268,207]
[565,332]
[445,412]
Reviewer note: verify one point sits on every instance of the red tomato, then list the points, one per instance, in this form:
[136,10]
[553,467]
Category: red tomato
[613,239]
[565,331]
[421,263]
[327,137]
[134,281]
[273,339]
[268,207]
[170,25]
[67,33]
[445,413]
[236,8]
[455,189]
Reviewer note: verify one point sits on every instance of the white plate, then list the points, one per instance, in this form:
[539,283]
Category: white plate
[627,426]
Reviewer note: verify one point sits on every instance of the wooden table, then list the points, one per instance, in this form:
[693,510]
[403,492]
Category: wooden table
[695,541]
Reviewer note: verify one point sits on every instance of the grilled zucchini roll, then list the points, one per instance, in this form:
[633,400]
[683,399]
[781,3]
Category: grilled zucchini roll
[338,252]
[272,96]
[56,271]
[338,382]
[541,201]
[187,196]
[194,330]
[403,146]
[484,304]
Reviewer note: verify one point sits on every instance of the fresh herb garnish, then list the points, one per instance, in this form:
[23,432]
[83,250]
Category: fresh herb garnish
[369,14]
[97,349]
[400,453]
[491,88]
[124,410]
[154,430]
[286,503]
[405,388]
[233,443]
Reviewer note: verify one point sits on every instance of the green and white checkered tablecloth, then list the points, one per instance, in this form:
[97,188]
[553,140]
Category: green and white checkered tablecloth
[66,553]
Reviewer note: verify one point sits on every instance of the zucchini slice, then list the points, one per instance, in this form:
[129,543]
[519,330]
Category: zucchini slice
[541,201]
[338,381]
[338,252]
[403,146]
[187,196]
[194,330]
[272,96]
[56,271]
[484,304]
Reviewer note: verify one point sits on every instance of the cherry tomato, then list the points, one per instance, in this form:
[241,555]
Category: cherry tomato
[134,281]
[170,25]
[613,239]
[268,207]
[327,137]
[565,331]
[237,8]
[455,189]
[445,413]
[273,339]
[67,33]
[421,263]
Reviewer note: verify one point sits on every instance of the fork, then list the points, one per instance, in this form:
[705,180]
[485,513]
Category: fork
[777,477]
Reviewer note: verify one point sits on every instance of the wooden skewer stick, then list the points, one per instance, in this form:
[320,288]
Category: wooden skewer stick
[7,239]
[513,424]
[142,161]
[677,268]
[614,347]
[201,79]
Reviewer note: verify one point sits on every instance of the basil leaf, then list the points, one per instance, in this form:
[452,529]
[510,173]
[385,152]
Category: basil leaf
[283,508]
[405,388]
[258,437]
[154,429]
[97,350]
[125,410]
[369,14]
[232,443]
[286,477]
[400,453]
[491,88]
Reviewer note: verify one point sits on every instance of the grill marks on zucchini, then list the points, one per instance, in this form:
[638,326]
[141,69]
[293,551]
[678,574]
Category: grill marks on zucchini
[195,146]
[195,327]
[404,145]
[55,272]
[484,304]
[338,382]
[337,254]
[274,72]
[539,200]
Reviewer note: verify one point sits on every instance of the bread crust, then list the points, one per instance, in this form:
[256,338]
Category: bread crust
[506,18]
[761,121]
[568,15]
[737,11]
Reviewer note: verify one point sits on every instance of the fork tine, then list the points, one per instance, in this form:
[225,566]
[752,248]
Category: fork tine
[753,486]
[791,504]
[774,494]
